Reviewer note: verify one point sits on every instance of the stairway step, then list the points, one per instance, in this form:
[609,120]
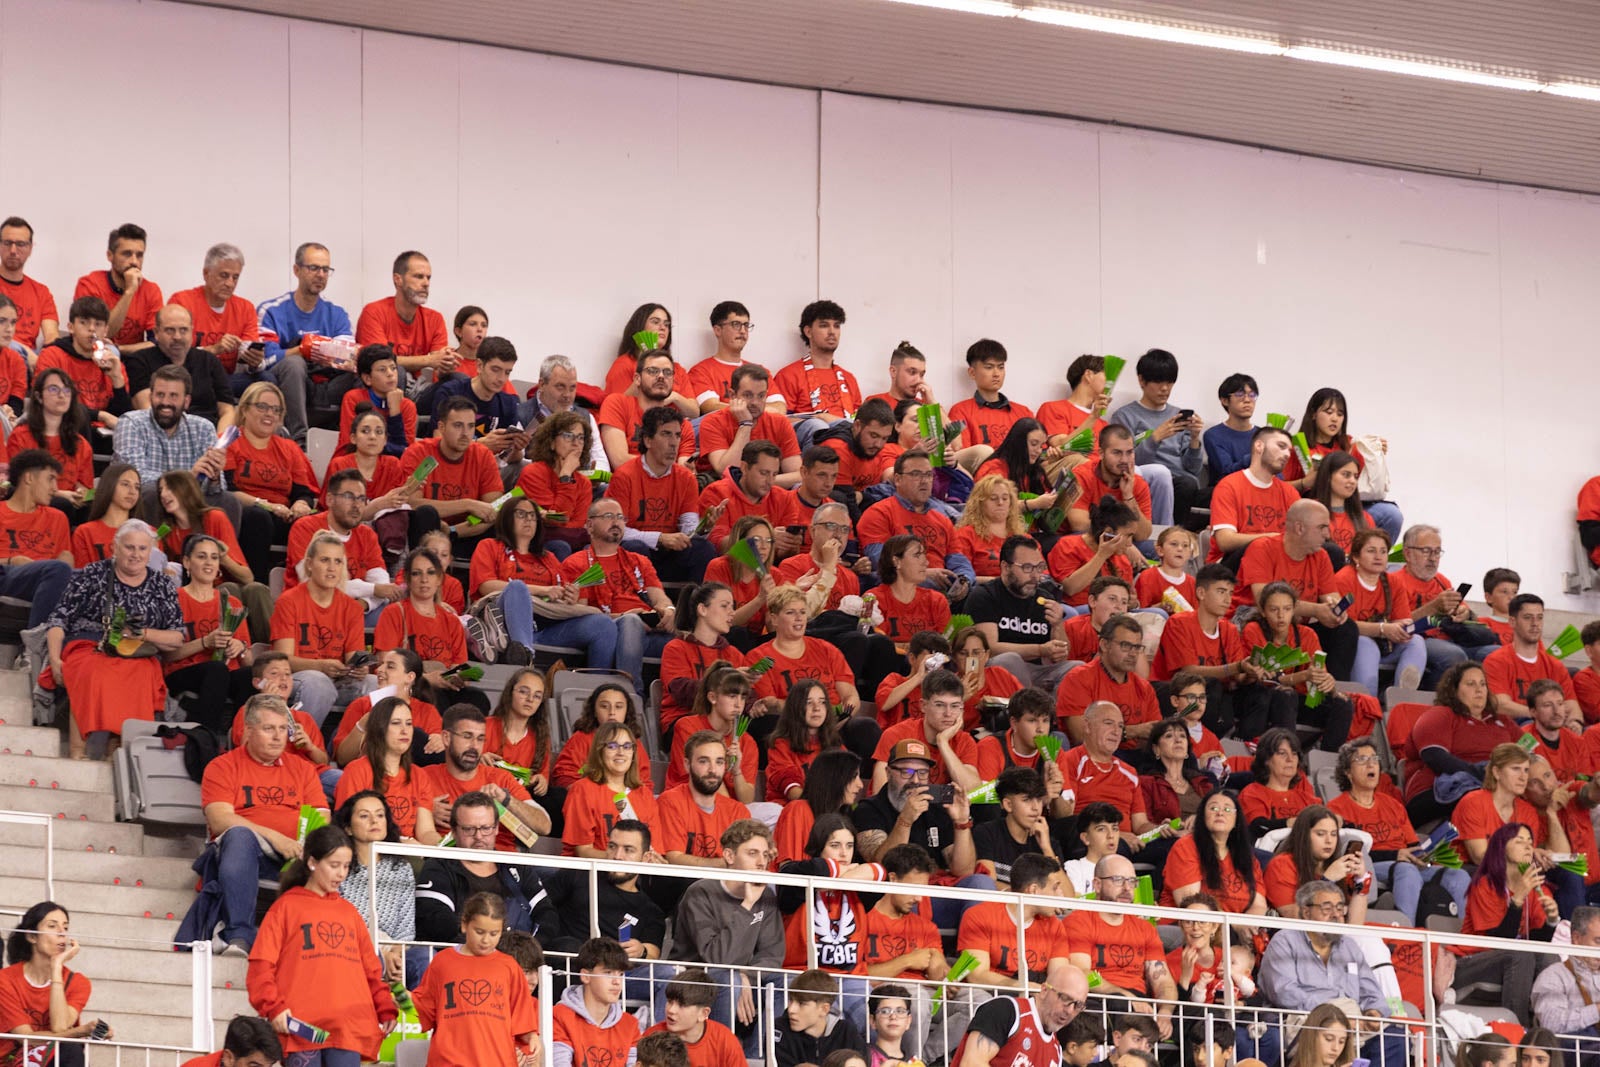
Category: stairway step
[103,963]
[156,872]
[19,736]
[143,1028]
[76,835]
[39,772]
[74,804]
[166,1000]
[103,929]
[131,901]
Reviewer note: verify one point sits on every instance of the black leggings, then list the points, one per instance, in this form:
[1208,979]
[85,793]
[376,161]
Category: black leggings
[218,692]
[259,530]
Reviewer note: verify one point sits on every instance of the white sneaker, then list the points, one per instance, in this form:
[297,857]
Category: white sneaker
[1409,678]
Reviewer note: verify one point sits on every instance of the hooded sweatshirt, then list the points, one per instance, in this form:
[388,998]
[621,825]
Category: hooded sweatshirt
[579,1040]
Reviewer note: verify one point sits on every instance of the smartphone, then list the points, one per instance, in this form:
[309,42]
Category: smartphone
[1353,848]
[797,531]
[1343,605]
[1186,414]
[101,1031]
[942,793]
[1463,589]
[361,659]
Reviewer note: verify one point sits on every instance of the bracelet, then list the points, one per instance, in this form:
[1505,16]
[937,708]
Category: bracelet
[964,825]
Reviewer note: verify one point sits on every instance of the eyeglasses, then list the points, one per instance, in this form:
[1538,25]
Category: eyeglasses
[919,475]
[893,1013]
[1196,922]
[474,831]
[832,527]
[270,409]
[1361,760]
[1030,568]
[16,244]
[911,774]
[1243,394]
[1427,553]
[525,515]
[1193,701]
[656,372]
[57,390]
[570,435]
[737,327]
[315,269]
[1330,907]
[1120,879]
[356,498]
[619,746]
[1128,646]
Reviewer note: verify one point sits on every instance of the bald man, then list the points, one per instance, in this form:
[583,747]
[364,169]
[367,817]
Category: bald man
[1299,556]
[210,395]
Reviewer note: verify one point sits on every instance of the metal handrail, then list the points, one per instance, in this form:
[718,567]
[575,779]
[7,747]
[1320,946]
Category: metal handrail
[36,818]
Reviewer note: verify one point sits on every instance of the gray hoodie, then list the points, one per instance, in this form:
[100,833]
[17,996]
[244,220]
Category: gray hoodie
[572,998]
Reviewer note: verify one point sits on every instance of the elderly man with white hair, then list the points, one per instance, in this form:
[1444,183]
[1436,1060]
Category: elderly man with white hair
[115,616]
[224,324]
[558,391]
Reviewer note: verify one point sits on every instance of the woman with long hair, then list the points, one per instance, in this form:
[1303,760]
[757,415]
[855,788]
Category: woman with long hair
[400,670]
[1078,559]
[707,612]
[1386,636]
[366,817]
[425,624]
[838,919]
[269,474]
[908,608]
[1281,701]
[517,590]
[184,512]
[1019,459]
[612,785]
[1336,487]
[607,703]
[1310,851]
[313,961]
[116,500]
[1326,425]
[214,663]
[992,514]
[833,785]
[1216,857]
[805,729]
[554,477]
[1455,736]
[39,986]
[518,731]
[1540,1048]
[1508,899]
[1174,786]
[748,625]
[385,766]
[56,421]
[1324,1039]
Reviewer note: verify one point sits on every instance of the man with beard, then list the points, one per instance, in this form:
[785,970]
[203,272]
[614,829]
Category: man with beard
[695,814]
[467,477]
[1113,476]
[622,413]
[463,771]
[1303,968]
[1253,502]
[1565,805]
[631,590]
[294,326]
[211,397]
[166,437]
[37,322]
[859,446]
[1426,595]
[627,913]
[1025,630]
[415,332]
[443,885]
[1124,949]
[902,812]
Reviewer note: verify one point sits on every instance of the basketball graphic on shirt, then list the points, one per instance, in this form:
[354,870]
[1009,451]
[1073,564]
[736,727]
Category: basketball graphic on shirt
[331,934]
[445,491]
[474,991]
[430,646]
[1118,956]
[269,795]
[656,511]
[1262,516]
[402,809]
[597,1056]
[316,639]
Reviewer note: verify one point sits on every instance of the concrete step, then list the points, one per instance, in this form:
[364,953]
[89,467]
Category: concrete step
[75,835]
[174,1000]
[52,773]
[156,872]
[73,804]
[101,899]
[145,1029]
[19,736]
[104,963]
[96,926]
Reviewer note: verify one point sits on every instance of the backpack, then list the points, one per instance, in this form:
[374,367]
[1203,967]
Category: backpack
[200,747]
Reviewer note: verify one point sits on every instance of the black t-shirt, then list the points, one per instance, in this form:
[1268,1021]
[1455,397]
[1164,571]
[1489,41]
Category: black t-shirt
[210,379]
[482,883]
[992,841]
[649,923]
[1020,620]
[934,831]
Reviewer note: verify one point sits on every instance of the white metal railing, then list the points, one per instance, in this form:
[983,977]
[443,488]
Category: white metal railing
[123,1053]
[1430,940]
[35,818]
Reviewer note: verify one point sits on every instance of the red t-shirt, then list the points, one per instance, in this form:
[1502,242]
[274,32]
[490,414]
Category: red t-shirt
[1571,756]
[1303,637]
[689,660]
[200,618]
[1475,817]
[717,1046]
[494,561]
[439,639]
[1588,508]
[989,926]
[268,795]
[889,517]
[929,610]
[1091,682]
[1064,417]
[385,476]
[437,781]
[362,552]
[476,475]
[524,753]
[718,429]
[238,317]
[986,424]
[1464,737]
[347,412]
[619,378]
[625,413]
[1183,869]
[710,379]
[425,718]
[981,550]
[1282,879]
[794,568]
[996,753]
[889,937]
[1510,675]
[575,753]
[24,1004]
[1266,560]
[381,324]
[778,507]
[965,748]
[628,575]
[722,569]
[686,827]
[689,725]
[214,524]
[270,473]
[1185,644]
[1367,604]
[475,1006]
[76,469]
[1239,504]
[820,660]
[1258,801]
[1487,908]
[331,632]
[652,504]
[38,534]
[141,317]
[1116,783]
[1586,683]
[833,390]
[785,768]
[399,790]
[1152,584]
[591,811]
[1072,552]
[569,498]
[93,384]
[35,303]
[1092,488]
[1119,951]
[1386,820]
[91,543]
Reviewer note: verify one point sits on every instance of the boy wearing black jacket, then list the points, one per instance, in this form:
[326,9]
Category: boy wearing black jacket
[808,1030]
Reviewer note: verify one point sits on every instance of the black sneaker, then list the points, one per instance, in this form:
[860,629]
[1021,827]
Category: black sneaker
[517,654]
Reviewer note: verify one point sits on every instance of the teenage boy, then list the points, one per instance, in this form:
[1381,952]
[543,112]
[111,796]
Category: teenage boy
[1512,668]
[1080,1041]
[1132,1033]
[809,1030]
[989,415]
[99,376]
[1062,418]
[814,385]
[1175,441]
[1109,594]
[710,380]
[497,426]
[1227,444]
[1500,584]
[1023,828]
[1031,714]
[380,388]
[989,929]
[903,943]
[1099,833]
[588,1024]
[37,560]
[1203,640]
[688,1015]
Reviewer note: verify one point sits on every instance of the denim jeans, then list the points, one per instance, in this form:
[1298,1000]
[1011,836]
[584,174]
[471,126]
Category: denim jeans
[41,583]
[1412,654]
[242,864]
[1386,517]
[634,642]
[1159,477]
[319,694]
[947,912]
[323,1057]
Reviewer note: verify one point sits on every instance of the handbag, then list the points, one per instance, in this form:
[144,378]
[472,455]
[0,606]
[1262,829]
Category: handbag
[122,631]
[1374,481]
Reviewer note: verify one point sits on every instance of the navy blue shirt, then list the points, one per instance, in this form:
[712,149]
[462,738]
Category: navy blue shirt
[499,412]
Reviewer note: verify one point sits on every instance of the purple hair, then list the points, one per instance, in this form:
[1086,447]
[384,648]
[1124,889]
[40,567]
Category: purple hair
[1493,867]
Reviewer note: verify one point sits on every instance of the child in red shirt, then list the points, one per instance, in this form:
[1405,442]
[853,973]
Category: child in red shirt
[474,997]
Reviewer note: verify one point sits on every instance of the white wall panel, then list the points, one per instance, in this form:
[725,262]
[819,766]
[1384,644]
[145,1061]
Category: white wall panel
[325,154]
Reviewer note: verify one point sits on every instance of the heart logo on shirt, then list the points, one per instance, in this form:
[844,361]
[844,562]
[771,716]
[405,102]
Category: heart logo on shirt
[269,795]
[331,934]
[474,990]
[430,646]
[1119,955]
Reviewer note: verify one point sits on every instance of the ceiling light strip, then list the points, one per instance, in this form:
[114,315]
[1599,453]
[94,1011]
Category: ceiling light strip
[1142,29]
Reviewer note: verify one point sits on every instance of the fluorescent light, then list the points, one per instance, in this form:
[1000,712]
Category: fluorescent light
[1576,90]
[1416,68]
[1001,8]
[1150,31]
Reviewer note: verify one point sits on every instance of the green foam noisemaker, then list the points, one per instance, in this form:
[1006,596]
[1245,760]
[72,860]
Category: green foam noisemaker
[1397,554]
[1152,834]
[1280,422]
[758,668]
[1445,854]
[1114,365]
[88,494]
[1316,696]
[516,770]
[1144,891]
[984,794]
[1083,440]
[498,503]
[956,625]
[1566,643]
[703,527]
[593,575]
[741,726]
[1302,448]
[743,552]
[930,423]
[1576,862]
[311,818]
[1048,744]
[647,341]
[598,476]
[964,965]
[1095,979]
[420,475]
[162,531]
[1527,742]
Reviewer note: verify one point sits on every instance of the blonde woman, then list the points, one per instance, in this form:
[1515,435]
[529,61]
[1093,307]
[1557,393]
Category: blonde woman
[993,513]
[269,474]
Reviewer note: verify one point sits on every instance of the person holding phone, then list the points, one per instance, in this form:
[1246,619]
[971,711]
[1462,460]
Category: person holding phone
[1298,558]
[1175,441]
